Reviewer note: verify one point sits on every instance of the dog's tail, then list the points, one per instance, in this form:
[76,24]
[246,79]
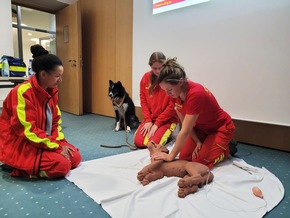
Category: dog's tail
[134,122]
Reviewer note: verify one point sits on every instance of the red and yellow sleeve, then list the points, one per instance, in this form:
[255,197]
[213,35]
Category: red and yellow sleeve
[24,119]
[168,114]
[144,85]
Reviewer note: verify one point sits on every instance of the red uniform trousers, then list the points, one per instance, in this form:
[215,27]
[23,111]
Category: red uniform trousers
[160,136]
[53,164]
[214,146]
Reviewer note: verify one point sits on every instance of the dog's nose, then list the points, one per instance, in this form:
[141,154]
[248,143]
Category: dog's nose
[110,94]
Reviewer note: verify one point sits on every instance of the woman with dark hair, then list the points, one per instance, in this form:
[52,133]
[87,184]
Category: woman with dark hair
[31,138]
[206,128]
[160,118]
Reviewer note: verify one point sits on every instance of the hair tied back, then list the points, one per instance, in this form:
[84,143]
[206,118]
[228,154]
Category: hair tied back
[37,50]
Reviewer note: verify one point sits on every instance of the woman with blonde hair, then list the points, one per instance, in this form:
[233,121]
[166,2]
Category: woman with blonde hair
[160,118]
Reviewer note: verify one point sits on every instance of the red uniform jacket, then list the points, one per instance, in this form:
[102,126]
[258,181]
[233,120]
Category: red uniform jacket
[23,123]
[199,100]
[156,108]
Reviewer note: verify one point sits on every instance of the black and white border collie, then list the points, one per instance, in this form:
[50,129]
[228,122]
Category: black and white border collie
[123,106]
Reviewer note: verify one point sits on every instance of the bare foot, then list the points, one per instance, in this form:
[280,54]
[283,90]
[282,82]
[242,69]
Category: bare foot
[183,192]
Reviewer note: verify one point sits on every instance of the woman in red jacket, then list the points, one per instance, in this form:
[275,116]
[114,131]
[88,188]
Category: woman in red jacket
[31,140]
[160,117]
[206,128]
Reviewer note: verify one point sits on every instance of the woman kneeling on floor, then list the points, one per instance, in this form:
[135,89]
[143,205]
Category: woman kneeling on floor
[207,129]
[31,140]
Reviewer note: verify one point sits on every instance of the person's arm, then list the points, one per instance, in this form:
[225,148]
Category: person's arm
[197,141]
[145,107]
[143,101]
[192,134]
[167,114]
[24,120]
[56,132]
[180,116]
[187,125]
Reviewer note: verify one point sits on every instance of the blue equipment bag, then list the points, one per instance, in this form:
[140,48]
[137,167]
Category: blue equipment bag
[17,67]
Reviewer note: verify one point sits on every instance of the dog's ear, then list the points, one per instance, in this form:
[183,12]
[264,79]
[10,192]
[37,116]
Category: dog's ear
[110,82]
[119,83]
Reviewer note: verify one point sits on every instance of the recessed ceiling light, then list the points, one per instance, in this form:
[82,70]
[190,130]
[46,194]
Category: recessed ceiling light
[30,34]
[35,39]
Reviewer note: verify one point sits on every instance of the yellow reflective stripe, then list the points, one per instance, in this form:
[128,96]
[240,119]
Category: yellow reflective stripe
[17,69]
[146,139]
[172,127]
[20,109]
[219,159]
[43,174]
[167,134]
[59,128]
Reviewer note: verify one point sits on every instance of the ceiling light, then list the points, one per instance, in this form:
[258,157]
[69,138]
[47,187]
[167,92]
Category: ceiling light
[35,39]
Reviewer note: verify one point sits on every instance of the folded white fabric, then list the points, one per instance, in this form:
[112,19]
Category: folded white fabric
[112,182]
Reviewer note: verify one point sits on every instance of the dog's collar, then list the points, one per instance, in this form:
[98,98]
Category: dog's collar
[119,102]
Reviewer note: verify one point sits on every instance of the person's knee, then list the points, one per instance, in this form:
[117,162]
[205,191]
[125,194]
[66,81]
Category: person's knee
[59,169]
[140,145]
[139,142]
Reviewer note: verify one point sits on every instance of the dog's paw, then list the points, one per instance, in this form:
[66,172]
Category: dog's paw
[128,129]
[116,129]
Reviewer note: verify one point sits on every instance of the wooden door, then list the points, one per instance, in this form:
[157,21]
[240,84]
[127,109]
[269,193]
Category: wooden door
[107,41]
[69,50]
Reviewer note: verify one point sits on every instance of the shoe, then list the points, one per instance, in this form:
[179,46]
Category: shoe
[233,147]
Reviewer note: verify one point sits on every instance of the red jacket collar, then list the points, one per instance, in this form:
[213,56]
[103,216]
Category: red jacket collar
[39,91]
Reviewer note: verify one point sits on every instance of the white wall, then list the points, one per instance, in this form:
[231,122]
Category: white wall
[240,50]
[6,42]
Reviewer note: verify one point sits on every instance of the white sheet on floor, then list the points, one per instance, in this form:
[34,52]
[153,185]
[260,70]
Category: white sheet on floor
[112,182]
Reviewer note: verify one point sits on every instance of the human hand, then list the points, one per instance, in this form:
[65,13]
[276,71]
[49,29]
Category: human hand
[67,152]
[162,156]
[152,131]
[196,150]
[146,128]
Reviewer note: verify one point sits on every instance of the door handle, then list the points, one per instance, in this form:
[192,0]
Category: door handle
[73,63]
